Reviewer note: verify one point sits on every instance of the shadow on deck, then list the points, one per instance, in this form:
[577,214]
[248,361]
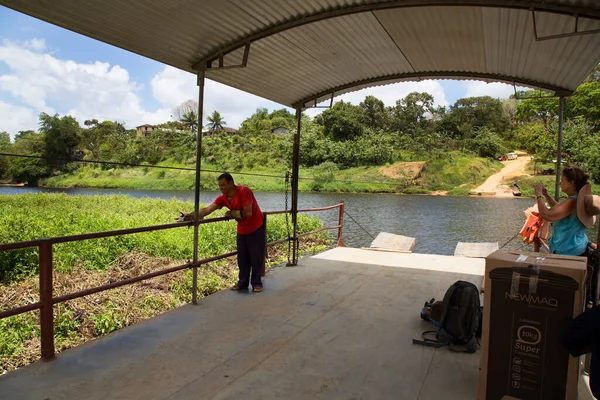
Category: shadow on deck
[337,326]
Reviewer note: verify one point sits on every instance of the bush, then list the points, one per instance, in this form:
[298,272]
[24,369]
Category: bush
[34,216]
[325,172]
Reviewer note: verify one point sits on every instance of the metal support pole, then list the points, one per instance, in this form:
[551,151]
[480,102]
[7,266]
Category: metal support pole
[47,310]
[340,242]
[201,76]
[561,113]
[295,171]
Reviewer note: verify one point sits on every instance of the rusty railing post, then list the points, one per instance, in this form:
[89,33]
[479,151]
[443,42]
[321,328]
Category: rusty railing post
[536,243]
[264,265]
[201,82]
[340,242]
[47,309]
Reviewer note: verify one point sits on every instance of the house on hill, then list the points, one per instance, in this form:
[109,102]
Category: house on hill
[144,130]
[227,130]
[230,131]
[281,130]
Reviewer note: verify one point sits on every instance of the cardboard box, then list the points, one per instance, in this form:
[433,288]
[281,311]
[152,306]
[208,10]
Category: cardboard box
[529,298]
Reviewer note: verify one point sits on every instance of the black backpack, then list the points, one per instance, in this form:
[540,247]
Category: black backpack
[460,323]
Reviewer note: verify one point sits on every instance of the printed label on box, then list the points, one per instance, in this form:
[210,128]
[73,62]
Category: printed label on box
[528,308]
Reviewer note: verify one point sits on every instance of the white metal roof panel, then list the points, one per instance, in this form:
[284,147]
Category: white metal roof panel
[512,50]
[303,50]
[438,38]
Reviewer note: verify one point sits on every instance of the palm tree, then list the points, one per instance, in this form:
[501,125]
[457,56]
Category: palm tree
[216,122]
[190,119]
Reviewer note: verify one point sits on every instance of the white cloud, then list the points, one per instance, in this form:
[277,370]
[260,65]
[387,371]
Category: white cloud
[35,44]
[389,94]
[14,118]
[39,82]
[496,90]
[171,87]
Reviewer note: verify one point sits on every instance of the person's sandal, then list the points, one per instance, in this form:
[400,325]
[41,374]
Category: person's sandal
[257,289]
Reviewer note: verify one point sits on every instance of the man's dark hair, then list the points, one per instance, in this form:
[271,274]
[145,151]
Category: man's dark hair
[227,176]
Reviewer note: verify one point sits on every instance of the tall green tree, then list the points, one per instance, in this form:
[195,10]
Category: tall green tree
[374,113]
[536,106]
[594,75]
[215,122]
[411,114]
[5,147]
[102,141]
[282,117]
[469,114]
[257,123]
[190,120]
[343,121]
[24,169]
[585,103]
[486,143]
[61,138]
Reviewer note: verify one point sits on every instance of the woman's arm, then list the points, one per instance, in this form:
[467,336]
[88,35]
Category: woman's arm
[558,211]
[549,199]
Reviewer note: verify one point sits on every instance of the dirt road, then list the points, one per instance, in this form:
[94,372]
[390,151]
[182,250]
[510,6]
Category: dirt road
[496,186]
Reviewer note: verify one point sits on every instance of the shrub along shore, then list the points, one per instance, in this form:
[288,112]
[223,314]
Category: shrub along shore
[455,173]
[95,262]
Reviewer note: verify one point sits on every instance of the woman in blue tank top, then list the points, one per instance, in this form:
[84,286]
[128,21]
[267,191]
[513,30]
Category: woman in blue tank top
[570,221]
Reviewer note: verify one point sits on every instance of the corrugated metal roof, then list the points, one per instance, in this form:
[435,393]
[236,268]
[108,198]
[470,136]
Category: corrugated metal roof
[301,51]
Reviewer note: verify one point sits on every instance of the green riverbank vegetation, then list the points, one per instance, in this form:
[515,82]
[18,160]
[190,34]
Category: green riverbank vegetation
[90,263]
[410,147]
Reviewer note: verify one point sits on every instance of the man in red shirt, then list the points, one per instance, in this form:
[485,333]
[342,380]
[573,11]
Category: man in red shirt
[250,230]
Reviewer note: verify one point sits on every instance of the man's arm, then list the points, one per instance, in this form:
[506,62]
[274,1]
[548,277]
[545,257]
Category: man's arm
[247,211]
[208,210]
[202,212]
[240,214]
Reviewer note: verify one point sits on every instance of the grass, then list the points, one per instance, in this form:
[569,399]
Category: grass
[526,182]
[448,173]
[457,173]
[33,216]
[95,262]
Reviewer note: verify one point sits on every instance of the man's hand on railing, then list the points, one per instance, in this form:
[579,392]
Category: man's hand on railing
[185,217]
[237,214]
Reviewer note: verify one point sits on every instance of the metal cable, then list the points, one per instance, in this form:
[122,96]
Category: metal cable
[346,212]
[67,160]
[510,240]
[134,165]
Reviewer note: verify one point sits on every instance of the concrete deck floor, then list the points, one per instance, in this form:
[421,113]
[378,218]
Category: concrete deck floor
[338,326]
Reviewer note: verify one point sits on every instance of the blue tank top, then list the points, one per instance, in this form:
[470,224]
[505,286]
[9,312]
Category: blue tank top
[569,236]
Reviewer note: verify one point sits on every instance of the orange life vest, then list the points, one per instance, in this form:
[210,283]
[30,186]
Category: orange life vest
[534,226]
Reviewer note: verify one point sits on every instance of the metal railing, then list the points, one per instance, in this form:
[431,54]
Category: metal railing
[47,300]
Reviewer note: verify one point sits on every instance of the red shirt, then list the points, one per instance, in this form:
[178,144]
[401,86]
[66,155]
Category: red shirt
[242,197]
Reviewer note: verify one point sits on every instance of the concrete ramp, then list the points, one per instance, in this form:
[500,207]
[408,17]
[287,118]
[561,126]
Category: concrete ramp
[392,242]
[338,326]
[477,250]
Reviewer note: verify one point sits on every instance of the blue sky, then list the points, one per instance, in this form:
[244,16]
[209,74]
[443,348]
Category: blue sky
[44,68]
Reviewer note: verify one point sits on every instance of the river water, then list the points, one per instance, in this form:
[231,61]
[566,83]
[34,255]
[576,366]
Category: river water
[437,222]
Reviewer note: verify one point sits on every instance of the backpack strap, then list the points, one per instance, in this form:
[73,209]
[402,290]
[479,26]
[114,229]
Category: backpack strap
[446,302]
[464,309]
[429,342]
